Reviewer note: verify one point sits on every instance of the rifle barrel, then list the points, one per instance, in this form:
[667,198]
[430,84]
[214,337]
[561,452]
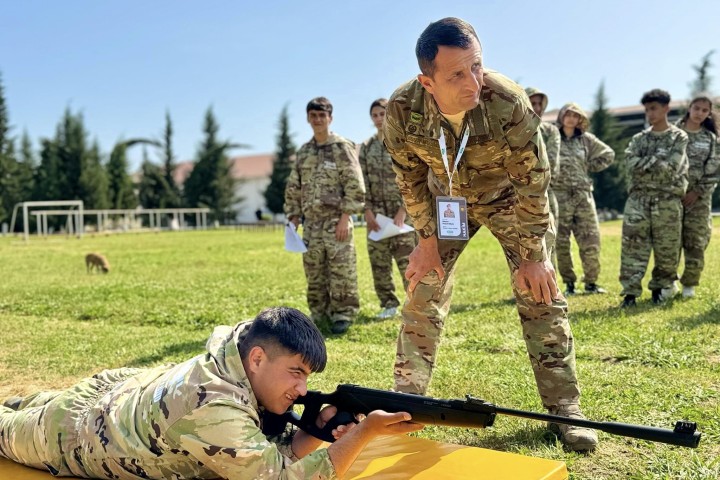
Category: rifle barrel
[684,434]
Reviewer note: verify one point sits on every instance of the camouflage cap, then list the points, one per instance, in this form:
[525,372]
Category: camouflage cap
[574,107]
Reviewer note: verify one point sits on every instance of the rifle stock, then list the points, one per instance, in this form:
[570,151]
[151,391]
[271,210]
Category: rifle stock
[472,412]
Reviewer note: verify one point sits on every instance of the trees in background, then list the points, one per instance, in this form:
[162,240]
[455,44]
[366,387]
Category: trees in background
[282,164]
[611,183]
[210,183]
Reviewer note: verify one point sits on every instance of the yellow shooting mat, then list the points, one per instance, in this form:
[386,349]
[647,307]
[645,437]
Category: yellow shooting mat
[403,458]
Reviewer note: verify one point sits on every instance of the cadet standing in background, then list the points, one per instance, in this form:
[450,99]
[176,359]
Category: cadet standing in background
[703,153]
[325,187]
[652,220]
[581,153]
[382,196]
[551,136]
[468,137]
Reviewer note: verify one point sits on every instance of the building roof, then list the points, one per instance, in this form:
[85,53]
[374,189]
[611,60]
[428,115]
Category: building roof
[244,167]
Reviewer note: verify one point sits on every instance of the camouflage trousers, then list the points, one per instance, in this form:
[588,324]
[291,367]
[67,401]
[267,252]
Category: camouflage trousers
[552,201]
[545,328]
[381,261]
[696,233]
[577,216]
[331,272]
[46,432]
[650,223]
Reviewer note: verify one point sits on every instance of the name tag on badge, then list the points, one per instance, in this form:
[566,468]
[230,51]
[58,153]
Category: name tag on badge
[452,218]
[329,165]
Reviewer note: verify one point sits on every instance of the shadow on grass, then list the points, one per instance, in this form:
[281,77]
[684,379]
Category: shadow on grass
[185,350]
[520,439]
[643,306]
[712,316]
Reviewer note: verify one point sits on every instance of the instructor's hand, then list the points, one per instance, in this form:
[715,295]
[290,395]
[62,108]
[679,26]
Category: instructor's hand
[424,259]
[539,278]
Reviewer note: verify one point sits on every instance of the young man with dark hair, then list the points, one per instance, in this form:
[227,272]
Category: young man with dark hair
[383,197]
[199,419]
[467,136]
[325,188]
[652,220]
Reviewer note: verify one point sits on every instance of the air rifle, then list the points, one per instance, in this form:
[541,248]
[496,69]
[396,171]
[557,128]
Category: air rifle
[472,412]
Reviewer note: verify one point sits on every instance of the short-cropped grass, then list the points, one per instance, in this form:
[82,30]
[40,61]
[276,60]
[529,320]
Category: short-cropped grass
[651,365]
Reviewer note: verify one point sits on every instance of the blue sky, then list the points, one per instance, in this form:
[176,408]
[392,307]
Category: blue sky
[124,63]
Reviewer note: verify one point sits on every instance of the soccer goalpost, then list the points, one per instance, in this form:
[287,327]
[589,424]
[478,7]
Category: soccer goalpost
[77,214]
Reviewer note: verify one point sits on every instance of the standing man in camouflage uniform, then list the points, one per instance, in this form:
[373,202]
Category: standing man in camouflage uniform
[581,153]
[652,220]
[551,137]
[325,187]
[383,197]
[199,419]
[703,154]
[503,177]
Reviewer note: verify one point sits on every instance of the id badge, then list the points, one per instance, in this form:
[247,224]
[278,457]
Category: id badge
[451,218]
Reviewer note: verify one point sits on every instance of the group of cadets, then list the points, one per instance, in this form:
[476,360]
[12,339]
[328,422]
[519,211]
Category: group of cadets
[673,171]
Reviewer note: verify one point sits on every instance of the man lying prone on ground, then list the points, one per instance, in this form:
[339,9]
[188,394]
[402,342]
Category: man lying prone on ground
[199,419]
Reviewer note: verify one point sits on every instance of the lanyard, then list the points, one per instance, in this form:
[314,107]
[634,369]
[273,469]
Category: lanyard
[461,150]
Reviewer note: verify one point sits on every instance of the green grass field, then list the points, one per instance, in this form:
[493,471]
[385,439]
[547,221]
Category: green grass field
[652,365]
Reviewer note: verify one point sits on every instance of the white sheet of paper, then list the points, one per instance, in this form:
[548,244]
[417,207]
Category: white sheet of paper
[293,242]
[387,228]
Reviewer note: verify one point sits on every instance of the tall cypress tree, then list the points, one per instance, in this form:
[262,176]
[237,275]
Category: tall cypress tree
[172,193]
[153,188]
[282,164]
[703,80]
[26,168]
[120,188]
[210,183]
[93,182]
[48,181]
[7,160]
[611,183]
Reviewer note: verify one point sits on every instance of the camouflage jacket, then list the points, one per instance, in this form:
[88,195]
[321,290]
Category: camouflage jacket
[381,192]
[704,158]
[198,419]
[325,181]
[551,136]
[580,155]
[657,162]
[505,157]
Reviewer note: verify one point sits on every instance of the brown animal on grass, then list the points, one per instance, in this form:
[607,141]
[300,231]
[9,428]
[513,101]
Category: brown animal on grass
[97,262]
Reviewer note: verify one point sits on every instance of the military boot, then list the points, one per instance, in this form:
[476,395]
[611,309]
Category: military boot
[577,439]
[594,288]
[339,327]
[570,288]
[13,402]
[657,297]
[628,301]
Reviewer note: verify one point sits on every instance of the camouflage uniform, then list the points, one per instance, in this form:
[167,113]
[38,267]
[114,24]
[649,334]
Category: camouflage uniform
[652,220]
[581,154]
[326,182]
[198,419]
[382,196]
[703,174]
[504,175]
[551,137]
